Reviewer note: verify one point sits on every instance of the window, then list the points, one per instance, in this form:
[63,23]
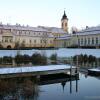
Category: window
[30,41]
[65,44]
[85,41]
[29,33]
[10,40]
[34,41]
[92,40]
[6,40]
[96,40]
[40,41]
[65,24]
[78,41]
[82,41]
[50,41]
[88,40]
[17,32]
[24,32]
[23,41]
[20,32]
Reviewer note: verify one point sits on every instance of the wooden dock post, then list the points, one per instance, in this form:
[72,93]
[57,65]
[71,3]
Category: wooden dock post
[76,65]
[70,66]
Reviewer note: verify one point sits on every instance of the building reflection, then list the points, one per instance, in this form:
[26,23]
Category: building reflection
[61,78]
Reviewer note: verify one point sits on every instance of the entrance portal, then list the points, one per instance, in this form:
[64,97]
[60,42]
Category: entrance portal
[9,47]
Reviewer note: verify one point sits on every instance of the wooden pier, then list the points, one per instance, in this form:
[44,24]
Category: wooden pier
[37,71]
[94,71]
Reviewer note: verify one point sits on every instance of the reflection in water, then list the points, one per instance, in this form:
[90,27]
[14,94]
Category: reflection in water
[61,78]
[19,89]
[86,75]
[28,88]
[76,85]
[75,79]
[70,86]
[63,85]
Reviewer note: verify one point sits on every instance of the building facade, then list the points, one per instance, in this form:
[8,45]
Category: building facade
[17,36]
[89,37]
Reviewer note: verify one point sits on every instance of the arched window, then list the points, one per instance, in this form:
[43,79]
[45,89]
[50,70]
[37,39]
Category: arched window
[65,24]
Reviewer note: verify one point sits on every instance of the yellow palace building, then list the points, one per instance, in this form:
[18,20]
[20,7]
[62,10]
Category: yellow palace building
[17,36]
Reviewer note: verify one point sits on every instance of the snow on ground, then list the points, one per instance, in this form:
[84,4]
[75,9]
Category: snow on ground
[33,69]
[95,69]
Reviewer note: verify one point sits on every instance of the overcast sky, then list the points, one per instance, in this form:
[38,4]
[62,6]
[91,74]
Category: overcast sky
[80,13]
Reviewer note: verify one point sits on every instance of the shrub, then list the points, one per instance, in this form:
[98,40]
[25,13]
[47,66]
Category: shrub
[26,59]
[53,57]
[38,59]
[7,59]
[18,59]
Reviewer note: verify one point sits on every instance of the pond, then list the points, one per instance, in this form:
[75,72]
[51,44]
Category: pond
[85,88]
[63,52]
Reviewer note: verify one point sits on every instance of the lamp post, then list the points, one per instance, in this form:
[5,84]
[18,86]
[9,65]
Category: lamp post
[77,64]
